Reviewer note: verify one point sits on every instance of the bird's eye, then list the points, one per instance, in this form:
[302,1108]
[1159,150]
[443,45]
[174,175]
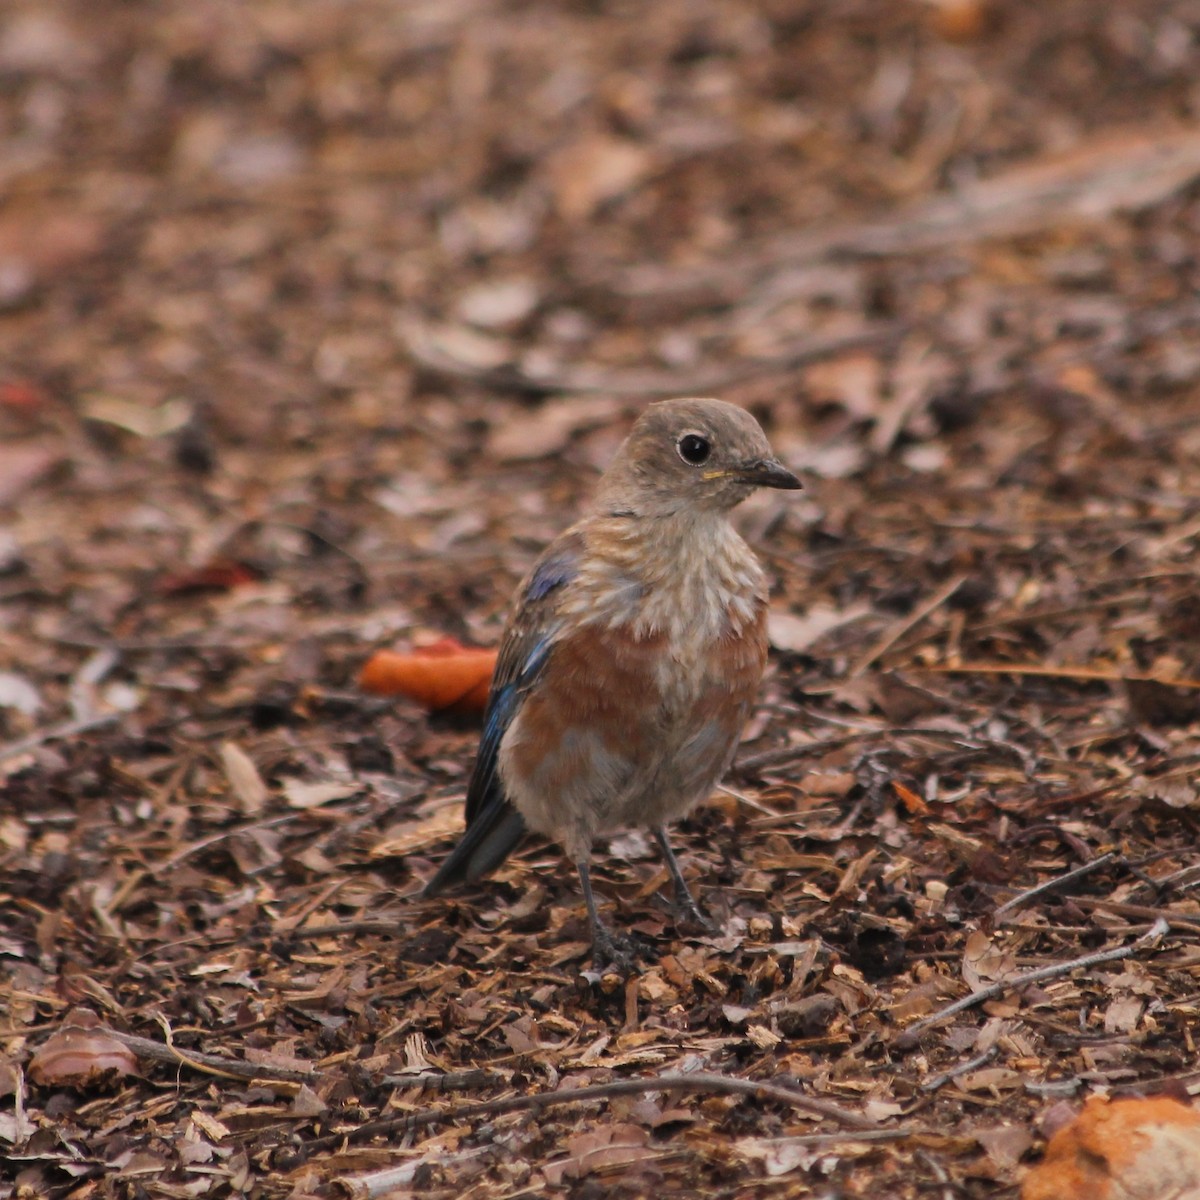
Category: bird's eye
[693,448]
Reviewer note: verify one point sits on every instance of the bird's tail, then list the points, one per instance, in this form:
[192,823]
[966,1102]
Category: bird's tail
[488,841]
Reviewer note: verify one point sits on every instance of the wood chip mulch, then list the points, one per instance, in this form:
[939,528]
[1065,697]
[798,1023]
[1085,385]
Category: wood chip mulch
[318,319]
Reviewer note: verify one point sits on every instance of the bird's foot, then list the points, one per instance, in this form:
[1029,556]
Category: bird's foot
[615,952]
[691,918]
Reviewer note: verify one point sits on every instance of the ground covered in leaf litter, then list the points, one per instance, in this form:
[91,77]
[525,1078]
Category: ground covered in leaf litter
[319,320]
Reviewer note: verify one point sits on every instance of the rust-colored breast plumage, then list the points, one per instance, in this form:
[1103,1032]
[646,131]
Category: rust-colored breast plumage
[629,727]
[593,714]
[713,721]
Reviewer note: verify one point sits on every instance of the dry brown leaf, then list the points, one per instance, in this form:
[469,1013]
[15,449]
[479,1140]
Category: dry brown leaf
[829,783]
[82,1055]
[601,1149]
[192,1148]
[778,1156]
[410,836]
[853,380]
[787,631]
[244,780]
[984,962]
[307,1103]
[499,304]
[594,170]
[22,465]
[1005,1144]
[300,794]
[136,418]
[523,436]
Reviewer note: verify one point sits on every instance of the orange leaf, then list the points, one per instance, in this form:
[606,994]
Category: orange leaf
[446,675]
[1140,1148]
[914,805]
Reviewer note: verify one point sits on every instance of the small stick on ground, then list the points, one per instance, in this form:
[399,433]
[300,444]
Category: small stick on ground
[1082,674]
[909,1038]
[1189,921]
[382,924]
[426,345]
[935,1082]
[209,1064]
[898,630]
[55,733]
[699,1081]
[1052,885]
[232,1068]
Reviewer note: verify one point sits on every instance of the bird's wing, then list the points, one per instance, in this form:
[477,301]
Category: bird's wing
[526,647]
[494,827]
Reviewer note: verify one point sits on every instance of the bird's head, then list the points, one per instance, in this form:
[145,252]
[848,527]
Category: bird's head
[690,455]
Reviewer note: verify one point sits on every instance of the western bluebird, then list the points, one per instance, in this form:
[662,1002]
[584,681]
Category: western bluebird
[632,654]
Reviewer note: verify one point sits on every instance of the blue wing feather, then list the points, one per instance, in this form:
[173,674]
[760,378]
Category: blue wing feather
[503,704]
[549,574]
[494,827]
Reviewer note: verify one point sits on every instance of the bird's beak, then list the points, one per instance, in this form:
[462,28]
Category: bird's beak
[768,472]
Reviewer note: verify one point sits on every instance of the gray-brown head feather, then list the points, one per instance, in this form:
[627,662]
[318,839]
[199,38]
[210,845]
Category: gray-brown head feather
[694,453]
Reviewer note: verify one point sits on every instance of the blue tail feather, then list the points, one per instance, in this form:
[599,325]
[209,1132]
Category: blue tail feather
[492,836]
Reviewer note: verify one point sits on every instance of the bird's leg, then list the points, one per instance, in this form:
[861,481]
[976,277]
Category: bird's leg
[687,911]
[607,949]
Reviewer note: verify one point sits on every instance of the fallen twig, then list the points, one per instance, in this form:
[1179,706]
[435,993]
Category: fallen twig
[1120,172]
[901,627]
[1145,911]
[700,1081]
[787,754]
[233,1068]
[446,1081]
[382,924]
[210,1064]
[429,351]
[936,1082]
[1083,674]
[1053,885]
[55,733]
[909,1038]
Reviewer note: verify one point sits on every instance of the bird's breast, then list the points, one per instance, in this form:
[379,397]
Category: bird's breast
[645,690]
[693,586]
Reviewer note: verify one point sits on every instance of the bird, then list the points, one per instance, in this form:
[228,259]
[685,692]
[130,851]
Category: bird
[630,659]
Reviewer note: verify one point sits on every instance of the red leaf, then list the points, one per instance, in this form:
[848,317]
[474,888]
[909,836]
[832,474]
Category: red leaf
[220,575]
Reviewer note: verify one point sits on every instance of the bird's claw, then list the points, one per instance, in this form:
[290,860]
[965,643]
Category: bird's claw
[614,952]
[691,918]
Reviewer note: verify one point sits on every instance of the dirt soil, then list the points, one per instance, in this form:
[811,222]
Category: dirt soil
[318,318]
